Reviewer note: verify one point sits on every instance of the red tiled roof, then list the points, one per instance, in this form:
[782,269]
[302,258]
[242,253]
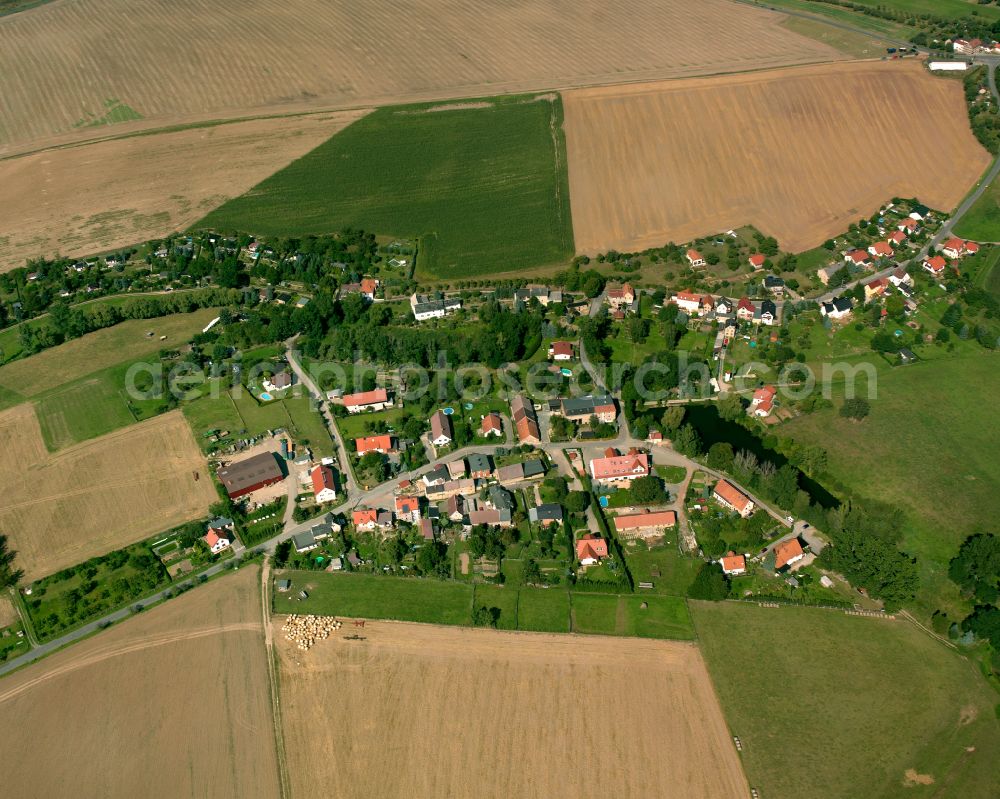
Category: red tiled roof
[786,551]
[767,392]
[365,516]
[367,397]
[731,563]
[373,444]
[953,244]
[693,255]
[732,495]
[591,546]
[971,247]
[564,348]
[407,504]
[322,477]
[897,236]
[882,248]
[212,538]
[619,466]
[937,263]
[369,286]
[744,305]
[492,422]
[757,260]
[858,256]
[635,521]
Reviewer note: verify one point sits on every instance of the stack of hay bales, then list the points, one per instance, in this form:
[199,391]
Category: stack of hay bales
[307,630]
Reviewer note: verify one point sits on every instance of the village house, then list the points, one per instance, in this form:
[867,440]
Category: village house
[620,298]
[441,431]
[525,421]
[427,529]
[896,238]
[724,308]
[646,524]
[745,310]
[408,509]
[219,535]
[881,249]
[435,306]
[324,483]
[694,258]
[857,258]
[591,549]
[766,314]
[774,284]
[365,519]
[454,507]
[543,294]
[615,468]
[757,260]
[786,553]
[383,444]
[480,466]
[955,248]
[935,265]
[908,226]
[385,520]
[875,288]
[278,382]
[731,497]
[688,301]
[901,278]
[491,425]
[561,351]
[546,514]
[375,400]
[368,287]
[580,409]
[838,308]
[457,469]
[733,564]
[763,401]
[439,475]
[655,437]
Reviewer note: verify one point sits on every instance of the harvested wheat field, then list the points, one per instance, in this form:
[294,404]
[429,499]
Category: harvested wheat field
[59,510]
[8,614]
[174,702]
[75,67]
[96,197]
[422,711]
[798,153]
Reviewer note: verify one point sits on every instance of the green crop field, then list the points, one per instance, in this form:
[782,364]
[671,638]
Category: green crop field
[982,221]
[929,447]
[485,189]
[86,408]
[830,706]
[430,601]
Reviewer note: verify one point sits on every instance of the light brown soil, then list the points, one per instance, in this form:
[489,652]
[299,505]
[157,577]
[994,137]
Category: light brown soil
[59,510]
[195,59]
[421,711]
[81,200]
[798,153]
[8,614]
[171,703]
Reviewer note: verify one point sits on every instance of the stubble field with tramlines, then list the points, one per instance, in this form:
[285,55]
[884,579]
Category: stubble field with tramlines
[798,153]
[70,67]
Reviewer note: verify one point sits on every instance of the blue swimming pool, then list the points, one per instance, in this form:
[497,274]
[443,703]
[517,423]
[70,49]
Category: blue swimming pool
[266,397]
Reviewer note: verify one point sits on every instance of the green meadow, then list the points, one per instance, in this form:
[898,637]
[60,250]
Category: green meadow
[830,706]
[482,185]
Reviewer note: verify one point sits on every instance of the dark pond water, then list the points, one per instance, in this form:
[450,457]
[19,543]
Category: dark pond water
[713,429]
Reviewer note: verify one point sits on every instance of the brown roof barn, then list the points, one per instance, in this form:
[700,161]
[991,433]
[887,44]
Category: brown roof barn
[242,477]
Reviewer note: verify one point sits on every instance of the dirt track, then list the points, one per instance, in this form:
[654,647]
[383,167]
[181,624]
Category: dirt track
[171,703]
[421,711]
[799,153]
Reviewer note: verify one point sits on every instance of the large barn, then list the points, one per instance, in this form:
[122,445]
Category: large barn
[244,477]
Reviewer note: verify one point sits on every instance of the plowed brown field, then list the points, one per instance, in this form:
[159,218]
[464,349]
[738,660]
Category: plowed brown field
[171,703]
[798,153]
[65,64]
[419,711]
[59,510]
[110,194]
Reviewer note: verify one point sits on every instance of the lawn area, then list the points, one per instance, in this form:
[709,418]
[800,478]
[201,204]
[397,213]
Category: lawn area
[859,19]
[982,221]
[501,597]
[863,701]
[373,597]
[543,610]
[927,447]
[676,571]
[88,354]
[483,186]
[672,475]
[359,425]
[596,613]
